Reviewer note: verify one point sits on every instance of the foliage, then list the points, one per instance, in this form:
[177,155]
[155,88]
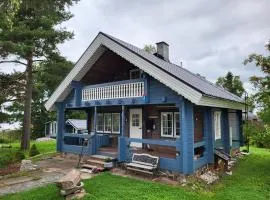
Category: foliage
[262,83]
[249,181]
[32,37]
[108,160]
[258,134]
[9,136]
[150,48]
[19,155]
[231,83]
[33,151]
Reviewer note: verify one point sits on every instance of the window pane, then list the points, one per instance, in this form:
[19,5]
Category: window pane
[116,122]
[100,122]
[135,119]
[177,124]
[167,124]
[217,116]
[107,122]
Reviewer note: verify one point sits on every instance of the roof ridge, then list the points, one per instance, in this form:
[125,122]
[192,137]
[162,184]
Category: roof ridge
[177,67]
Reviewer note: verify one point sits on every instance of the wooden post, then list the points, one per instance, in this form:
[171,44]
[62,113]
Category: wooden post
[225,130]
[187,137]
[209,134]
[60,125]
[123,122]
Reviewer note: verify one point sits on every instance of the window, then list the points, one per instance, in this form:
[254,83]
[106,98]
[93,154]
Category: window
[135,74]
[100,122]
[217,124]
[108,122]
[170,124]
[135,119]
[115,122]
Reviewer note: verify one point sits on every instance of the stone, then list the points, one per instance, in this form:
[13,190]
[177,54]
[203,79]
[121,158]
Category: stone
[209,177]
[26,165]
[78,195]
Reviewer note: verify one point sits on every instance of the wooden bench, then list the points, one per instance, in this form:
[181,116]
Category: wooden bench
[144,163]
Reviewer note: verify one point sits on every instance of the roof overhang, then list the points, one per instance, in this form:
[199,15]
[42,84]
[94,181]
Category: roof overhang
[97,48]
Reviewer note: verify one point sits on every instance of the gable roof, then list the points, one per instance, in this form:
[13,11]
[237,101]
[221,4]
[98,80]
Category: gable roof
[193,87]
[79,124]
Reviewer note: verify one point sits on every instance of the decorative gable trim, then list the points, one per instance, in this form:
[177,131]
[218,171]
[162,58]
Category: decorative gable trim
[96,49]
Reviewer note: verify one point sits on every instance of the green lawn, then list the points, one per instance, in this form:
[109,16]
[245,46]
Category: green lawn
[7,154]
[250,181]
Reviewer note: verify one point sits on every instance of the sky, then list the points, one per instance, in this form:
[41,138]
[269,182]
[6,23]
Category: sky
[208,37]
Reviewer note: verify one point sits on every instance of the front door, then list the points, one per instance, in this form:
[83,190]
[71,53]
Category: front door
[135,125]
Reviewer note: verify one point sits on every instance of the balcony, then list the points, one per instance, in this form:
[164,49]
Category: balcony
[114,90]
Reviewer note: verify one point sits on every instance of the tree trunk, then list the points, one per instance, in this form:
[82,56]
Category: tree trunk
[25,141]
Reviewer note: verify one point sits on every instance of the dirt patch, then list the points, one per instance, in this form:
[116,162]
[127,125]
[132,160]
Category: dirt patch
[13,168]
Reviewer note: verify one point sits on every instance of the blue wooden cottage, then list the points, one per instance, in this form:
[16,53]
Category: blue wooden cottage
[141,102]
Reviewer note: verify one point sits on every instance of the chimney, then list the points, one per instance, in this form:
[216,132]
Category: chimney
[163,50]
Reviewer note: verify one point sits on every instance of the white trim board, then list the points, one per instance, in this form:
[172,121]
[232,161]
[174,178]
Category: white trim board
[97,48]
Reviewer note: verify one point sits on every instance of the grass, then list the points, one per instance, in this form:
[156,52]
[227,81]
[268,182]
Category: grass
[250,180]
[7,154]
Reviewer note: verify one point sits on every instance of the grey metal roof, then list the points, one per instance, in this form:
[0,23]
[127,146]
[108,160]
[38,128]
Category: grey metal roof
[193,80]
[79,124]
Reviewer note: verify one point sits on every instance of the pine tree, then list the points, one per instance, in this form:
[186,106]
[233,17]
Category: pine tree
[33,37]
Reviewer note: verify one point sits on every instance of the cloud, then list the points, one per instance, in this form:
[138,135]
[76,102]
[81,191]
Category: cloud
[210,37]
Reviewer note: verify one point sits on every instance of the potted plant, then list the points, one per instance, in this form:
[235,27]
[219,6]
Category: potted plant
[108,163]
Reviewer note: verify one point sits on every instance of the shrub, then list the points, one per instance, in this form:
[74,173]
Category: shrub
[5,160]
[19,155]
[33,151]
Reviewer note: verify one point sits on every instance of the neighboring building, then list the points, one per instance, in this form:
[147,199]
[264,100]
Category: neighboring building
[139,102]
[77,126]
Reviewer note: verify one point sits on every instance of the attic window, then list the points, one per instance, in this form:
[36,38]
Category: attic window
[135,73]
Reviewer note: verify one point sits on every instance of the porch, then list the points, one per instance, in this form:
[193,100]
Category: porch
[156,129]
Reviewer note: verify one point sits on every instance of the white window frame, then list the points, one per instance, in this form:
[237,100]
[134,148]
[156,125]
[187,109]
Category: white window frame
[118,114]
[109,114]
[217,124]
[161,121]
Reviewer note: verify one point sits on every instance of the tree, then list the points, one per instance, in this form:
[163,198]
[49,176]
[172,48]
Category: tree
[34,37]
[47,77]
[150,48]
[262,84]
[231,83]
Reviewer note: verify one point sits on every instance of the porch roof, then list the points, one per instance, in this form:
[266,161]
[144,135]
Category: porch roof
[191,86]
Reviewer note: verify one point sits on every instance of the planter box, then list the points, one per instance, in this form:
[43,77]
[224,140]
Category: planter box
[108,165]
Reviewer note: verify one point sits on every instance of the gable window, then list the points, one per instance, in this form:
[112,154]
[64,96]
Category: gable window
[217,124]
[135,74]
[170,124]
[108,122]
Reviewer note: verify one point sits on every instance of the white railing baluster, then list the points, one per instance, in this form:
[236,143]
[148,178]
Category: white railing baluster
[125,90]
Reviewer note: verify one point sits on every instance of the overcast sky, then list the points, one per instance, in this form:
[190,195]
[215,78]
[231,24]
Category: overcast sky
[210,37]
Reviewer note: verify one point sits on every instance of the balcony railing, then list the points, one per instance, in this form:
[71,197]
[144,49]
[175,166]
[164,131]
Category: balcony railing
[121,89]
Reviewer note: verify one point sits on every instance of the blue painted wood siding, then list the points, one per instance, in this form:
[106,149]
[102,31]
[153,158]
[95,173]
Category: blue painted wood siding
[155,93]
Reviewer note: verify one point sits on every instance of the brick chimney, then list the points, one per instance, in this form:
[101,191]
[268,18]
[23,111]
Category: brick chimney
[163,51]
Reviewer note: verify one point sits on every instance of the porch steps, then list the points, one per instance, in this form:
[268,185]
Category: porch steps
[92,167]
[97,163]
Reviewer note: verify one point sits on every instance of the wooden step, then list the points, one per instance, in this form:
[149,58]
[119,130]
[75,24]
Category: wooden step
[92,167]
[97,163]
[100,157]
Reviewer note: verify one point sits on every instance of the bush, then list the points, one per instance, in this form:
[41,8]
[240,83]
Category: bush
[19,155]
[5,160]
[33,151]
[258,135]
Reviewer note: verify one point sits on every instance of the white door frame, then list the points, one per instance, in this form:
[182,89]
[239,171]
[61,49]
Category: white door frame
[135,125]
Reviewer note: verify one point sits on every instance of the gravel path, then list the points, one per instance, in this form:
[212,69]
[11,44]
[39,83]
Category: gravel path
[50,170]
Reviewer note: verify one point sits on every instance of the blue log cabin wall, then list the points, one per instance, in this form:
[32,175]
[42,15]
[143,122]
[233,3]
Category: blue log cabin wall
[156,93]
